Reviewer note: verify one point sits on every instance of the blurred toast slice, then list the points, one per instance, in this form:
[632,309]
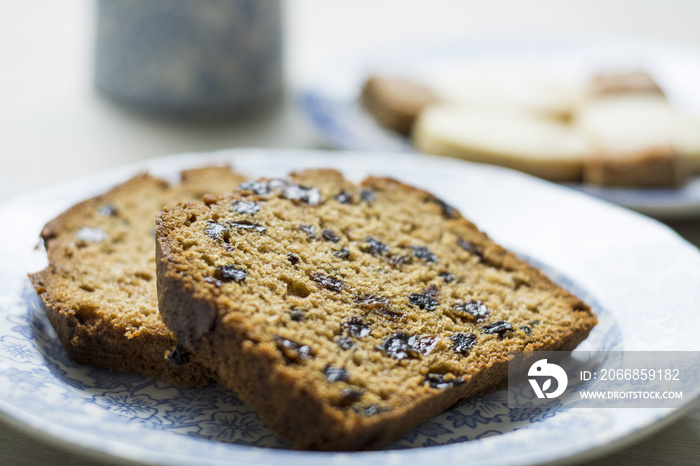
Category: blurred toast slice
[636,81]
[511,138]
[509,87]
[395,102]
[654,167]
[638,123]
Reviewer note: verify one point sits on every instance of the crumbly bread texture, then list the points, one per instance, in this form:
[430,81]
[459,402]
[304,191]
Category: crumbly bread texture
[395,102]
[347,315]
[512,138]
[99,289]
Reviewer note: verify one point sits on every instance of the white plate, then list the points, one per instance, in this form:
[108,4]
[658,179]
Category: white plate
[330,98]
[640,277]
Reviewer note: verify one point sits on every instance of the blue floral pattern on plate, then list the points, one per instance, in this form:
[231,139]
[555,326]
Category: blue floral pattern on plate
[143,419]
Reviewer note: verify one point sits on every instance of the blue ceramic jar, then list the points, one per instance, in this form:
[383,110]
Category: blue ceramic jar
[190,58]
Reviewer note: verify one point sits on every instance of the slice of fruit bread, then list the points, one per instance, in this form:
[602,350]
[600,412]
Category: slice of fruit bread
[345,314]
[99,289]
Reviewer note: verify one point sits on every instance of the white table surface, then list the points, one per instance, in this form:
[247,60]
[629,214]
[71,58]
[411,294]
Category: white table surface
[56,127]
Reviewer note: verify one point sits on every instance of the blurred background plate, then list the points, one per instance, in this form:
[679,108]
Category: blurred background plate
[635,271]
[330,98]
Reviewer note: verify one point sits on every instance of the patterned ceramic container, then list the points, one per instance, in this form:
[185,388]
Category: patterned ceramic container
[190,58]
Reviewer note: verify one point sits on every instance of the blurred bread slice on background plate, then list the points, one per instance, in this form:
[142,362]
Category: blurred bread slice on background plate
[631,123]
[395,102]
[506,136]
[620,82]
[652,167]
[505,85]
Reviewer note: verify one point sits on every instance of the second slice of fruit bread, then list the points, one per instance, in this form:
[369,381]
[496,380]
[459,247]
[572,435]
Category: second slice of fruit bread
[99,289]
[345,314]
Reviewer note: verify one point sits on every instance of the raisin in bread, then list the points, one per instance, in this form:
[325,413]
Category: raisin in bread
[99,289]
[346,315]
